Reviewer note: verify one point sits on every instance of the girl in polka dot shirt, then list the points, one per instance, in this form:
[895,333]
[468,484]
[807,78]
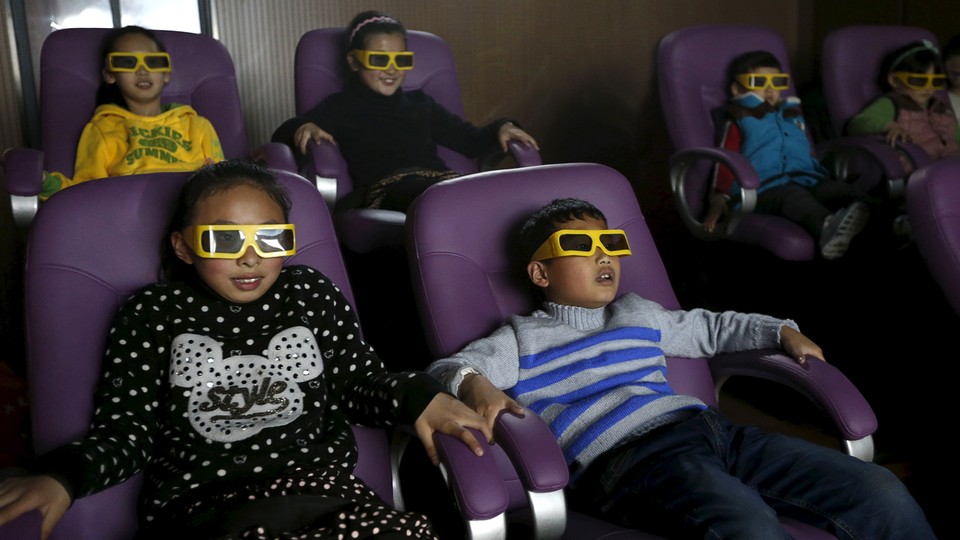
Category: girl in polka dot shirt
[233,385]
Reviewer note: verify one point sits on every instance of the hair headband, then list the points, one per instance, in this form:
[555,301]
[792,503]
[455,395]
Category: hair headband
[926,45]
[379,18]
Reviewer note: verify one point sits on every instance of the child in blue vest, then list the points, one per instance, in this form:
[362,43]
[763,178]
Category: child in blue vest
[769,131]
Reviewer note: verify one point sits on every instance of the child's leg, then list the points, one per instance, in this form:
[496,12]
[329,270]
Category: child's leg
[676,483]
[796,203]
[823,487]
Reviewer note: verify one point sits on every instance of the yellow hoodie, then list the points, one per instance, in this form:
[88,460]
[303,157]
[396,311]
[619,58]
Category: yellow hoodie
[117,142]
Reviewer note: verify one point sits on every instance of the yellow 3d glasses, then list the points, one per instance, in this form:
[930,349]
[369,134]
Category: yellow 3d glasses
[583,243]
[232,241]
[125,62]
[921,81]
[762,81]
[381,60]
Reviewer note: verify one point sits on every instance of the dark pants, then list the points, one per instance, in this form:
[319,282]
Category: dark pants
[708,478]
[807,206]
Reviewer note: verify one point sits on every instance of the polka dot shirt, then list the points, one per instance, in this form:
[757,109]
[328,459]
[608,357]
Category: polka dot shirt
[200,392]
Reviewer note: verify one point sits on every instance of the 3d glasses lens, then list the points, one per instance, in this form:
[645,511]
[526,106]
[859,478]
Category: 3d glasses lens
[125,62]
[232,241]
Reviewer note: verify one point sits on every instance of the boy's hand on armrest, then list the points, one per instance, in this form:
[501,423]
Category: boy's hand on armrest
[718,209]
[447,415]
[509,132]
[799,346]
[310,132]
[482,396]
[23,494]
[896,133]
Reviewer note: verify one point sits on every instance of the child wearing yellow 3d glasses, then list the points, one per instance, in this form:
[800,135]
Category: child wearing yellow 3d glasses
[132,131]
[769,130]
[389,136]
[913,109]
[232,384]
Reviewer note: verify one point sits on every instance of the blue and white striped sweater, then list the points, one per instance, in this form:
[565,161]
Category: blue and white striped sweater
[598,376]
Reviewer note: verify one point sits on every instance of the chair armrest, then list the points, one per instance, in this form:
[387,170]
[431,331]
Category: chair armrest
[533,450]
[876,149]
[474,480]
[525,156]
[276,156]
[25,527]
[820,382]
[363,230]
[741,168]
[24,171]
[324,165]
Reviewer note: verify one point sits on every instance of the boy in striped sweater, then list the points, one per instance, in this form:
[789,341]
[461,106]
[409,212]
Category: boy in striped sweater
[592,364]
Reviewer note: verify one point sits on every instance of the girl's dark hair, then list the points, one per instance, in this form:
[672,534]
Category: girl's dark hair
[914,57]
[366,24]
[211,180]
[749,61]
[110,93]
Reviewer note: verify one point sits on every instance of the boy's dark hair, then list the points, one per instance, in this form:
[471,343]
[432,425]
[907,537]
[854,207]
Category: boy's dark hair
[110,93]
[211,180]
[914,57]
[749,61]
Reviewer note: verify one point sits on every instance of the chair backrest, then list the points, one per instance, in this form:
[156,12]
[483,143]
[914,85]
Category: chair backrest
[933,204]
[320,70]
[850,65]
[70,65]
[692,72]
[90,248]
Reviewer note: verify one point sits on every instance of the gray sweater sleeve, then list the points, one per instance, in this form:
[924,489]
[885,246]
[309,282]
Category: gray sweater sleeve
[496,357]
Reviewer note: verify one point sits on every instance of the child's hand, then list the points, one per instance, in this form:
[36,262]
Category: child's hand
[449,416]
[718,209]
[310,132]
[24,494]
[510,132]
[799,346]
[482,396]
[896,133]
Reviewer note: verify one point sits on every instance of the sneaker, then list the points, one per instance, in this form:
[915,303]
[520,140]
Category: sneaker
[840,228]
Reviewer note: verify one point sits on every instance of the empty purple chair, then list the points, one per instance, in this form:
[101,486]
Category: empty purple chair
[92,246]
[457,237]
[850,65]
[933,204]
[319,72]
[203,76]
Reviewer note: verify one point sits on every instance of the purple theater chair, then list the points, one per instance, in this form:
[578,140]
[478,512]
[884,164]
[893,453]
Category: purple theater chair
[319,65]
[933,204]
[95,244]
[457,237]
[850,66]
[691,67]
[203,77]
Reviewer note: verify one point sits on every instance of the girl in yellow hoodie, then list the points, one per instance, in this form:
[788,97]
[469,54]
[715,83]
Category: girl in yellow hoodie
[131,131]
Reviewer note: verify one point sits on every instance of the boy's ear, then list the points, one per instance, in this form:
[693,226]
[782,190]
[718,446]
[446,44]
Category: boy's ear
[537,272]
[735,89]
[108,76]
[180,247]
[893,81]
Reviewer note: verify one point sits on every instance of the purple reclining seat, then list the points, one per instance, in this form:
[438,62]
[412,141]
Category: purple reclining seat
[691,68]
[850,65]
[70,65]
[933,204]
[319,73]
[457,235]
[91,247]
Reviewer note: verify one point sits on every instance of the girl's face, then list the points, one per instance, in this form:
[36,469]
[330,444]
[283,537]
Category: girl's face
[382,81]
[920,97]
[238,280]
[140,89]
